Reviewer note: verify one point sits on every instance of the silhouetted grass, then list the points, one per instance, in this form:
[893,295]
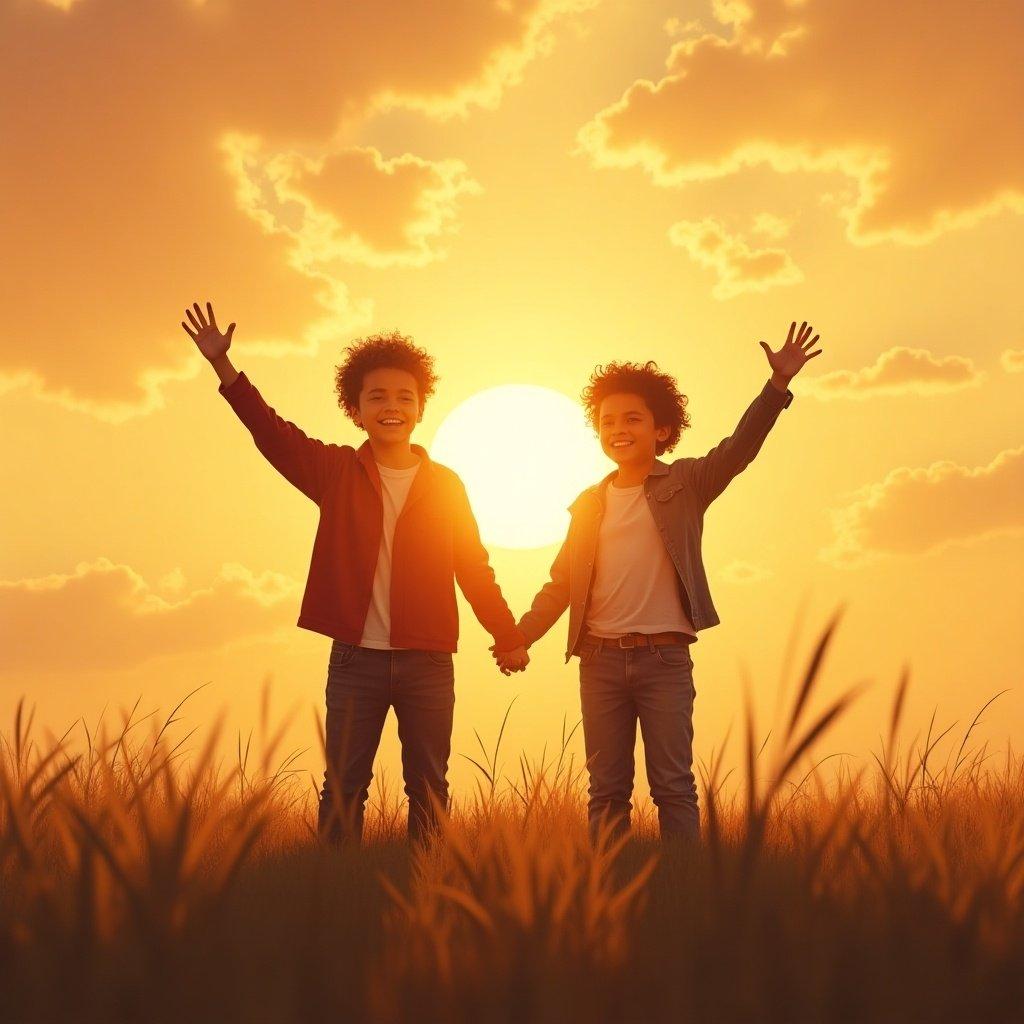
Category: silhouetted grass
[136,885]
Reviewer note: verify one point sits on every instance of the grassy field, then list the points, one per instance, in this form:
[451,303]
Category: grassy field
[138,884]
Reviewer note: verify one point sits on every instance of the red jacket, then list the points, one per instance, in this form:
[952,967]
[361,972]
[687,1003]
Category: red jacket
[436,538]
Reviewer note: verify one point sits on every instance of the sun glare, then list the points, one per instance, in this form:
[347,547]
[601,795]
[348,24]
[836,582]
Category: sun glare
[524,453]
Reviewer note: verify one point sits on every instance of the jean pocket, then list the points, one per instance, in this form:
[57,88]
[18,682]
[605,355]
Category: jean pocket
[341,654]
[440,657]
[587,652]
[674,654]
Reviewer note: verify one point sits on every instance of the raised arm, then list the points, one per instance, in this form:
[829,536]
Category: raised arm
[304,461]
[712,473]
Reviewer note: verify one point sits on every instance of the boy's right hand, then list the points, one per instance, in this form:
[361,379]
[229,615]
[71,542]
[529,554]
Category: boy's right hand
[515,660]
[205,333]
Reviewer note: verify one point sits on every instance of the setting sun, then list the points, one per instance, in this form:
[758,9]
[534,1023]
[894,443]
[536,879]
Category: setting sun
[524,453]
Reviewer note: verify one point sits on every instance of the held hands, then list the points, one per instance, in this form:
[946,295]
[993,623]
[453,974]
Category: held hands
[205,333]
[788,361]
[515,660]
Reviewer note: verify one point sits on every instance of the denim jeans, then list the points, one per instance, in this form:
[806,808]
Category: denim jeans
[618,687]
[362,684]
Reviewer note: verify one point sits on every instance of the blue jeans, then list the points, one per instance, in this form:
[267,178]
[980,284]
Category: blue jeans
[362,684]
[618,687]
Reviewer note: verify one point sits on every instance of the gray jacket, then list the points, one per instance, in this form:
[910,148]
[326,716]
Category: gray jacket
[678,494]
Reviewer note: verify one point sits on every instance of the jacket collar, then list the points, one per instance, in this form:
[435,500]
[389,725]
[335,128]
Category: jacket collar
[595,494]
[420,482]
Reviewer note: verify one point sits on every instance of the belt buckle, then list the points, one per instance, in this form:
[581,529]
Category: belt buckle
[630,638]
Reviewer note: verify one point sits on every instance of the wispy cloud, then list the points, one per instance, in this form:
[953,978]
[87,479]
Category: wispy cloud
[917,104]
[1012,360]
[210,150]
[105,615]
[897,371]
[738,267]
[920,511]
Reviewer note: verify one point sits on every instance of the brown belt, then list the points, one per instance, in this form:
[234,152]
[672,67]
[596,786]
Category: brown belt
[628,640]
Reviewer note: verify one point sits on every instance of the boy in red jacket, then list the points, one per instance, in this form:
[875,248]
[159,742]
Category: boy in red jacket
[396,532]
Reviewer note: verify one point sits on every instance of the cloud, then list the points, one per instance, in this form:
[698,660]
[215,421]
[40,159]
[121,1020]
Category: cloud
[897,371]
[738,267]
[741,572]
[771,225]
[921,511]
[104,615]
[1012,360]
[166,152]
[676,27]
[916,104]
[354,206]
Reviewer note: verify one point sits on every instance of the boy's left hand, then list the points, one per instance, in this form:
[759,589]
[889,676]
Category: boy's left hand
[515,660]
[788,361]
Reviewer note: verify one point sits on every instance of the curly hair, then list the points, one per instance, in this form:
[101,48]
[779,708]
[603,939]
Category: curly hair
[391,350]
[659,390]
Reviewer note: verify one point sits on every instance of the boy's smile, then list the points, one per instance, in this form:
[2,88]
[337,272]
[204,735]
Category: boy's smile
[628,434]
[389,406]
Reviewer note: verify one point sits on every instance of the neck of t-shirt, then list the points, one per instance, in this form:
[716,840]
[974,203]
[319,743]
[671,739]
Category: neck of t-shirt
[624,491]
[397,473]
[397,456]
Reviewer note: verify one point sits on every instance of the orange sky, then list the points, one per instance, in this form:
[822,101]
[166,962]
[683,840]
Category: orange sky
[528,187]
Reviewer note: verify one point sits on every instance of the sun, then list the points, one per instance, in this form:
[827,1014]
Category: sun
[524,453]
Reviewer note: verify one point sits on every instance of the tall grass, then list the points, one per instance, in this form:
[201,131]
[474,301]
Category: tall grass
[141,884]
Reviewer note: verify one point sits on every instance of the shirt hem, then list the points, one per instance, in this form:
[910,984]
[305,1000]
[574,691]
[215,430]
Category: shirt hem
[349,636]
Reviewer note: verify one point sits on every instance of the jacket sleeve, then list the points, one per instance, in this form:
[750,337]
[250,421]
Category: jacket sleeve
[551,600]
[475,577]
[712,473]
[303,461]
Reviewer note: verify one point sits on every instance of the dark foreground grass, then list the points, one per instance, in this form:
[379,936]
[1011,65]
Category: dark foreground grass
[136,888]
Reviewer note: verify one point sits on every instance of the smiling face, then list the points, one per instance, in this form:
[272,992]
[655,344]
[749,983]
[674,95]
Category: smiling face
[389,406]
[626,427]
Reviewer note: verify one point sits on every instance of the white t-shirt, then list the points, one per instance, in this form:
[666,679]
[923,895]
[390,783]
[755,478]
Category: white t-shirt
[635,586]
[395,484]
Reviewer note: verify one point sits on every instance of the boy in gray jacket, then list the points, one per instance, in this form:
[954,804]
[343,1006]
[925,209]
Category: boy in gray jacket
[631,573]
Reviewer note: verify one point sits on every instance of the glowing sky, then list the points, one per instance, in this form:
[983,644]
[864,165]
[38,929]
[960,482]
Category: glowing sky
[529,188]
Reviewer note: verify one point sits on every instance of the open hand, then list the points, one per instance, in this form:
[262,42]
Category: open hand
[515,660]
[788,361]
[205,333]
